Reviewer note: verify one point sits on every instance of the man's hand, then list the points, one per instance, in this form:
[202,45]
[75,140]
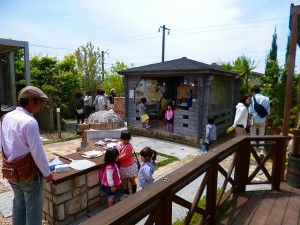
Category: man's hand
[49,178]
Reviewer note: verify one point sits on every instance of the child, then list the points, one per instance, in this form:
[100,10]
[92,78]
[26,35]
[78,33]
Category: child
[128,168]
[169,116]
[143,115]
[111,177]
[164,104]
[148,157]
[211,134]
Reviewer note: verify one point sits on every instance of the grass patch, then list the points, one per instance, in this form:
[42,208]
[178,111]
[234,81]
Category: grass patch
[167,159]
[220,215]
[161,159]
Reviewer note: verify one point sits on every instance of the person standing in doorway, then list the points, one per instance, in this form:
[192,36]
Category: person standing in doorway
[20,139]
[169,116]
[257,123]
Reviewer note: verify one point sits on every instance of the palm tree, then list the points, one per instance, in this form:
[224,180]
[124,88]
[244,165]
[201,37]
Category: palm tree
[244,66]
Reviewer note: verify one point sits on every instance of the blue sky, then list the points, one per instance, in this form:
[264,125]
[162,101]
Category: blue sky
[205,31]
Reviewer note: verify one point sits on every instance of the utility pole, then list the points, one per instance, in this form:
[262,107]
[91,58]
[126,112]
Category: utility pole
[102,59]
[163,40]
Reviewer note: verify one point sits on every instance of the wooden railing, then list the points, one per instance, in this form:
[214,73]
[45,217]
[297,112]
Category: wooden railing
[231,161]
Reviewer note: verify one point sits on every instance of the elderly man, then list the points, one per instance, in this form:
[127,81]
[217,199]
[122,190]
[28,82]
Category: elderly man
[20,141]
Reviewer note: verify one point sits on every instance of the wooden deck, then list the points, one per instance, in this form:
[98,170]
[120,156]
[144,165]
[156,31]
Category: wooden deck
[266,207]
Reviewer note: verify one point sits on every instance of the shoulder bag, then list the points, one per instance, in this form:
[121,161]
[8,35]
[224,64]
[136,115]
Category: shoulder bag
[18,170]
[261,111]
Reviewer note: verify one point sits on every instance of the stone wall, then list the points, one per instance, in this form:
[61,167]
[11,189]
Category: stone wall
[72,199]
[162,135]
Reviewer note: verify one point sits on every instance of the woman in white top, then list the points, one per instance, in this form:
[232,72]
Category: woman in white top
[241,115]
[102,104]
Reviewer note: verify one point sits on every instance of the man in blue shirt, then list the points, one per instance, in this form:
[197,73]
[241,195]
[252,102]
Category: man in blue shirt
[258,124]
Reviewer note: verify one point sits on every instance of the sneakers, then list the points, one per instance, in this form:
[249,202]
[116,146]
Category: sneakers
[123,197]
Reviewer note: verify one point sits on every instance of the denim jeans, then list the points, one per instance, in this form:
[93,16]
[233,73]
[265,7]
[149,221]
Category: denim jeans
[205,146]
[28,201]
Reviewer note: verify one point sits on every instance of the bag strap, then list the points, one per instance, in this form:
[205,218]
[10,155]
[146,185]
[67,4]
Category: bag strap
[254,100]
[124,146]
[136,157]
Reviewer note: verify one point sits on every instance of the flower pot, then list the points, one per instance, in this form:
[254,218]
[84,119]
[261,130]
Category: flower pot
[293,171]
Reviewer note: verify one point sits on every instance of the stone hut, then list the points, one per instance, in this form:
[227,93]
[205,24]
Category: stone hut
[213,92]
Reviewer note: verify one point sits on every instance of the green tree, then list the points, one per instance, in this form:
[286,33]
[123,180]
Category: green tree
[113,80]
[88,61]
[244,66]
[58,79]
[272,85]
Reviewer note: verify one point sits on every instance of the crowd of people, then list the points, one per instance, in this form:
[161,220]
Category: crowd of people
[85,106]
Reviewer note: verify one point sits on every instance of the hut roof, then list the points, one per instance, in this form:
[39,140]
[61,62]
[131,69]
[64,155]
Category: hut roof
[177,66]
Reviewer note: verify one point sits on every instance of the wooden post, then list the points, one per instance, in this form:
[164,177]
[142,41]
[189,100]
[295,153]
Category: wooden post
[291,67]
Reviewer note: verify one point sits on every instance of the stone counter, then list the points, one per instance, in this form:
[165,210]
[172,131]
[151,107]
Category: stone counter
[73,193]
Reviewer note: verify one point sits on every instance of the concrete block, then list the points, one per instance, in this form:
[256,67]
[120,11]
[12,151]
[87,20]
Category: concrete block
[79,181]
[79,190]
[93,201]
[51,209]
[47,186]
[46,206]
[61,188]
[58,199]
[48,195]
[92,178]
[75,205]
[93,207]
[59,212]
[94,192]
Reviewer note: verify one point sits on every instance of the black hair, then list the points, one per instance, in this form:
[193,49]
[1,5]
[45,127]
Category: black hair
[170,104]
[211,120]
[149,153]
[110,156]
[78,94]
[255,89]
[244,99]
[125,135]
[25,101]
[143,100]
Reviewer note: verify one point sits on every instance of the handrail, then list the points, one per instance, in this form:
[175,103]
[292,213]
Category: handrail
[155,201]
